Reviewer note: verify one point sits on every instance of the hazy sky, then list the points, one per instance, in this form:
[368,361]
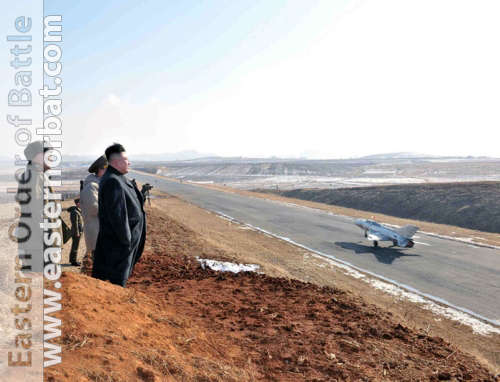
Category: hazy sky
[329,79]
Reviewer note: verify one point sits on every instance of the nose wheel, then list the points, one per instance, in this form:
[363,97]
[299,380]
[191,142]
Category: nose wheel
[375,243]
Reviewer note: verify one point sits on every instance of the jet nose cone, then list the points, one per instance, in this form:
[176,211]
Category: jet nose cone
[359,223]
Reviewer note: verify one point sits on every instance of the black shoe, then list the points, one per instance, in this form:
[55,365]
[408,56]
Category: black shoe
[76,263]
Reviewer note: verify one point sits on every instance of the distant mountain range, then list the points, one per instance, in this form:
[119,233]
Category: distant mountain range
[402,155]
[408,155]
[196,156]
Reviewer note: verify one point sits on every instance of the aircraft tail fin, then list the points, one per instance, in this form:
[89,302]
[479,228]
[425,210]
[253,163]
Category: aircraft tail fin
[407,231]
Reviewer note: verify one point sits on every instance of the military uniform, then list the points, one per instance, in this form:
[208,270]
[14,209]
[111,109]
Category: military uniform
[89,196]
[76,232]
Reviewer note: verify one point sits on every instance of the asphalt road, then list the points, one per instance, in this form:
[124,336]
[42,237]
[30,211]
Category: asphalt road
[463,275]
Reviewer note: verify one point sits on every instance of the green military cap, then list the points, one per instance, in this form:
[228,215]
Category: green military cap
[99,163]
[35,148]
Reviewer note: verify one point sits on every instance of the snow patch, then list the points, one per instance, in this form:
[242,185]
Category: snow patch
[224,266]
[225,217]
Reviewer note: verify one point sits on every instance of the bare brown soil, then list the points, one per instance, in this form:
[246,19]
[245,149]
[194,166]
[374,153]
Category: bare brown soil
[176,321]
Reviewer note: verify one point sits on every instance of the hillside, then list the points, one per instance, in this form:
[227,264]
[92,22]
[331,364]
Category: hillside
[178,322]
[474,205]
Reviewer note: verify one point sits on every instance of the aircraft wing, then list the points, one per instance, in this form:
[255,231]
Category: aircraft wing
[377,236]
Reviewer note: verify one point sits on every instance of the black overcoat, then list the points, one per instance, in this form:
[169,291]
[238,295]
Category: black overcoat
[122,228]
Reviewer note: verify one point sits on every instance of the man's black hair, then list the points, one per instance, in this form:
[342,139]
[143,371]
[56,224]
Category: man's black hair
[115,148]
[77,200]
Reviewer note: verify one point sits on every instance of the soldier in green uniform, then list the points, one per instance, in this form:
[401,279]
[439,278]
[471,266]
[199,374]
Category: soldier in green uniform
[76,231]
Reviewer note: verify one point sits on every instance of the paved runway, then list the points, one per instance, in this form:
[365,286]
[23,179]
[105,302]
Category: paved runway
[464,275]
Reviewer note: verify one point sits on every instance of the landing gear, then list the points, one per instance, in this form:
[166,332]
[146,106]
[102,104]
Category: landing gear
[375,243]
[366,233]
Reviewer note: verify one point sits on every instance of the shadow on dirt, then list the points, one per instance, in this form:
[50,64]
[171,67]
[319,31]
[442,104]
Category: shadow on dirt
[384,255]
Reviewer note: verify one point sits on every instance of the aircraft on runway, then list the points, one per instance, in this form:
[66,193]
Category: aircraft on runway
[400,237]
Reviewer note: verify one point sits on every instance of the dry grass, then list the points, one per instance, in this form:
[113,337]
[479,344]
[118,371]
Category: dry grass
[158,359]
[192,367]
[100,376]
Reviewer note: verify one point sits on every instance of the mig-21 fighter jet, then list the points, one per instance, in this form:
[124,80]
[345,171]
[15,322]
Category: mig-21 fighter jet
[400,237]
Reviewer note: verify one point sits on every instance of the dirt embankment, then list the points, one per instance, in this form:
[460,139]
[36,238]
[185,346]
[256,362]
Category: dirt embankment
[474,206]
[178,322]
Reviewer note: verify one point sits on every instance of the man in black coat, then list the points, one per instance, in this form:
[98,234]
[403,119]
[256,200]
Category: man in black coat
[122,221]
